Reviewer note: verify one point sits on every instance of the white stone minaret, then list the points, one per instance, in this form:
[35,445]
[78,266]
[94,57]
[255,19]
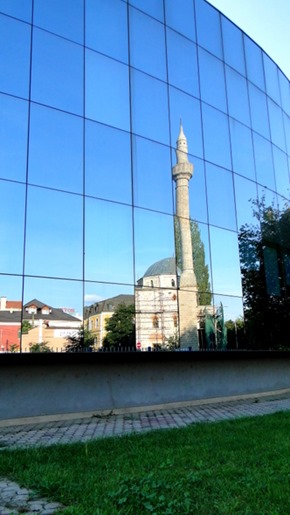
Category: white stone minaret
[182,173]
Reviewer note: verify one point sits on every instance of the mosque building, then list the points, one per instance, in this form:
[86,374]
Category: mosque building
[166,298]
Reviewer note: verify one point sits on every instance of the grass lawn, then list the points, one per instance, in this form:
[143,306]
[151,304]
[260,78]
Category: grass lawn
[240,466]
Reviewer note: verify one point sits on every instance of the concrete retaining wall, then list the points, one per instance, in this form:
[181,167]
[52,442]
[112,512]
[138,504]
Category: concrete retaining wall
[37,385]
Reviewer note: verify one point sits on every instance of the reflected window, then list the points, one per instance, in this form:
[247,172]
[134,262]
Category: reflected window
[15,56]
[13,137]
[242,150]
[259,112]
[197,196]
[107,91]
[216,137]
[271,271]
[149,107]
[254,62]
[56,149]
[181,19]
[245,194]
[272,81]
[233,46]
[152,167]
[225,262]
[54,234]
[106,33]
[212,80]
[61,17]
[238,100]
[108,242]
[220,195]
[281,172]
[57,72]
[12,201]
[285,92]
[108,163]
[147,49]
[182,63]
[155,322]
[264,162]
[208,28]
[276,125]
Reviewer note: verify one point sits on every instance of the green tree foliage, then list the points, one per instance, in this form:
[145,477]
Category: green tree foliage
[81,341]
[121,328]
[25,327]
[198,254]
[39,347]
[265,267]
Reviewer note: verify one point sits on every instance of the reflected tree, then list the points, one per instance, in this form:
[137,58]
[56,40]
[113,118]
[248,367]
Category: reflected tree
[39,347]
[198,254]
[121,328]
[265,267]
[81,341]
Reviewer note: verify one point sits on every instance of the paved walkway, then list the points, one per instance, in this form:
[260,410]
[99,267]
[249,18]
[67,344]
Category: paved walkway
[15,500]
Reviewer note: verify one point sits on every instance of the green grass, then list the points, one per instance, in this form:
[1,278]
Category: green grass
[240,466]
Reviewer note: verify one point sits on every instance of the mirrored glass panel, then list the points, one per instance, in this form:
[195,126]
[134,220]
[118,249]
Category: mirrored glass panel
[187,109]
[17,9]
[254,63]
[276,125]
[149,107]
[212,80]
[201,261]
[52,313]
[216,136]
[154,239]
[281,172]
[152,175]
[108,242]
[208,28]
[233,315]
[56,149]
[12,201]
[233,46]
[13,137]
[259,112]
[197,196]
[264,162]
[102,301]
[245,196]
[225,262]
[285,92]
[238,100]
[220,197]
[107,90]
[10,313]
[152,7]
[57,72]
[104,32]
[242,149]
[264,264]
[272,81]
[182,73]
[61,17]
[108,173]
[54,234]
[147,44]
[15,57]
[181,19]
[286,120]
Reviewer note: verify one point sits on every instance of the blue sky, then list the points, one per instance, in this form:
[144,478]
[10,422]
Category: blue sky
[266,22]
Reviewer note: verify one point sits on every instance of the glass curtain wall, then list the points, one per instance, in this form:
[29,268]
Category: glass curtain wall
[144,180]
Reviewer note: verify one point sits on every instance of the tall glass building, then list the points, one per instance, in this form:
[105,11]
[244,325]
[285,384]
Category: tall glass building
[92,93]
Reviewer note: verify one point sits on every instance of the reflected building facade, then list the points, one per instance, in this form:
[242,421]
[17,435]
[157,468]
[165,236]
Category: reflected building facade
[91,98]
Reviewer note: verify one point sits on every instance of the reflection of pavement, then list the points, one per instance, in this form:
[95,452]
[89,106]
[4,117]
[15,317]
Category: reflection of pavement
[99,426]
[15,500]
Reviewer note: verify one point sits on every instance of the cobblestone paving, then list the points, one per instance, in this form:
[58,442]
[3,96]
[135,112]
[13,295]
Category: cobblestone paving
[15,500]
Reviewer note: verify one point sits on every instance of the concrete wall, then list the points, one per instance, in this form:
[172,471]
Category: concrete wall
[35,385]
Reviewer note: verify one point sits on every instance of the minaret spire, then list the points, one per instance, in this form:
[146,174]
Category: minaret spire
[182,173]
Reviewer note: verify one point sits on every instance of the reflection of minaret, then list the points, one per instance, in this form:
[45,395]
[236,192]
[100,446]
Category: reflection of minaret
[182,173]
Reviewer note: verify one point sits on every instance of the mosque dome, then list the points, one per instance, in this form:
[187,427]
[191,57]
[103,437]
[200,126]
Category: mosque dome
[165,266]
